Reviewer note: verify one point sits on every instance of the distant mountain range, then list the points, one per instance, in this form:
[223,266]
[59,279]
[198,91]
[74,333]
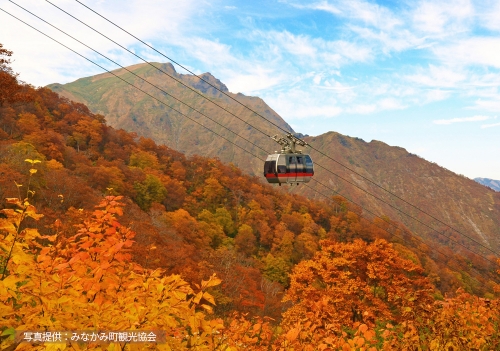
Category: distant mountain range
[461,202]
[490,183]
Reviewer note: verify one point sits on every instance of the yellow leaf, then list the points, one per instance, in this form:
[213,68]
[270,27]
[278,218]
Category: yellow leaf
[31,212]
[63,299]
[10,282]
[198,297]
[30,234]
[212,281]
[22,269]
[21,257]
[207,308]
[7,225]
[55,346]
[209,298]
[3,291]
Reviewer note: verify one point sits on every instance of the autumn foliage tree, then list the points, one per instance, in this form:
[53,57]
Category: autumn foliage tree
[359,296]
[88,282]
[10,89]
[194,217]
[345,283]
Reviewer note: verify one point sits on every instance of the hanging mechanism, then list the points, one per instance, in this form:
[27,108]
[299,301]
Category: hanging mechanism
[289,143]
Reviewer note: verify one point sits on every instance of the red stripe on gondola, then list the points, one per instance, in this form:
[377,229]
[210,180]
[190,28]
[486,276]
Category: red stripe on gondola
[288,175]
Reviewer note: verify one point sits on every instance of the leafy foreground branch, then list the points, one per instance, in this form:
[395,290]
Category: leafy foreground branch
[88,282]
[350,296]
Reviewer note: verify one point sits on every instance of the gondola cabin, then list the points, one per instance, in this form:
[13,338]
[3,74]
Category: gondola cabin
[290,165]
[288,168]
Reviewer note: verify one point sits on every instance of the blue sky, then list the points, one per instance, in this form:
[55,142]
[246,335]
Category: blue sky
[423,75]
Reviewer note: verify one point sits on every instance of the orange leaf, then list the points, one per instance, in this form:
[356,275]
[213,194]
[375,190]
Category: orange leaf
[292,334]
[363,328]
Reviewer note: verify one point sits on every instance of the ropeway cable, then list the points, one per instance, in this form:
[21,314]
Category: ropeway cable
[133,73]
[392,234]
[376,197]
[151,96]
[159,69]
[313,148]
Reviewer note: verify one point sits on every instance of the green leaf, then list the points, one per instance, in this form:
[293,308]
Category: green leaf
[10,332]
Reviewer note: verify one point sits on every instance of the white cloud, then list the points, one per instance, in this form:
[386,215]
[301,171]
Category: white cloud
[333,84]
[300,103]
[363,109]
[442,18]
[471,51]
[324,6]
[375,24]
[352,52]
[317,79]
[299,45]
[384,104]
[312,52]
[437,76]
[388,41]
[366,12]
[390,104]
[462,119]
[490,125]
[488,14]
[434,95]
[258,79]
[42,61]
[489,105]
[208,51]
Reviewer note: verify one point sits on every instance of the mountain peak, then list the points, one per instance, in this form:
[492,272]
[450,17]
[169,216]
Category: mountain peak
[202,85]
[166,67]
[422,183]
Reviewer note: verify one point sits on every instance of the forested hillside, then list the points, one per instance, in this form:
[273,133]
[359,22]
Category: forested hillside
[471,209]
[103,230]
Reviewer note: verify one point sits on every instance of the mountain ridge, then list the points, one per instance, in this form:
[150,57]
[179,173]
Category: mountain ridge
[490,183]
[457,200]
[123,230]
[128,109]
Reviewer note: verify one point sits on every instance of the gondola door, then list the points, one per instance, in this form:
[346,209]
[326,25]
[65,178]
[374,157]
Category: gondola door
[282,169]
[291,168]
[301,168]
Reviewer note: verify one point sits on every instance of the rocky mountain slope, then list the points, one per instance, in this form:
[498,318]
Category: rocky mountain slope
[454,199]
[126,107]
[468,206]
